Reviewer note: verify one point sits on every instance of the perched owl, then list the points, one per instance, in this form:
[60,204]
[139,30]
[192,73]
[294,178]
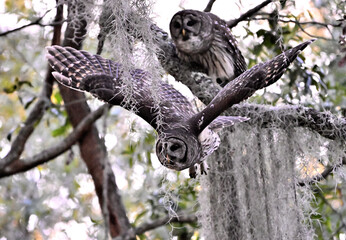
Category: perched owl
[185,137]
[204,39]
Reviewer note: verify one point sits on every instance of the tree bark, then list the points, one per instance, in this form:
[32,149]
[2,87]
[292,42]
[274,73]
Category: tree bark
[93,150]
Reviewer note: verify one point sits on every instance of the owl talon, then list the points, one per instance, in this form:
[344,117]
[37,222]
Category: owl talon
[193,171]
[204,167]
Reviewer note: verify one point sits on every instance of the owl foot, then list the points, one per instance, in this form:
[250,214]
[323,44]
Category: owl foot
[192,171]
[203,168]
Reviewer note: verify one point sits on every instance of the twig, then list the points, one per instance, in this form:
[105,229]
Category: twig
[303,23]
[180,218]
[251,12]
[36,22]
[209,6]
[300,26]
[48,154]
[311,35]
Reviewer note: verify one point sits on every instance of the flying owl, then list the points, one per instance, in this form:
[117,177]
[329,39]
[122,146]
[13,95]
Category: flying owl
[185,137]
[204,39]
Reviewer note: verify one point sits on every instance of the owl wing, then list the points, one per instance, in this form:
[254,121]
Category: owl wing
[102,78]
[259,76]
[230,44]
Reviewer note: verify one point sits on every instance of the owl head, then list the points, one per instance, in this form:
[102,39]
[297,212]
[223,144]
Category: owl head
[178,149]
[192,31]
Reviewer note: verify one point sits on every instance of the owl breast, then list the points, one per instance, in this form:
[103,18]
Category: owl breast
[192,45]
[215,59]
[204,40]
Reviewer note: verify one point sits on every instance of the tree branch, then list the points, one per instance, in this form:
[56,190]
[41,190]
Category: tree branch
[180,218]
[22,165]
[92,148]
[251,12]
[268,16]
[36,22]
[324,123]
[209,6]
[300,26]
[36,114]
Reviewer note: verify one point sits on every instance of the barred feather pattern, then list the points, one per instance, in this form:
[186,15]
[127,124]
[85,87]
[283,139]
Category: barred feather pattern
[217,51]
[185,137]
[101,77]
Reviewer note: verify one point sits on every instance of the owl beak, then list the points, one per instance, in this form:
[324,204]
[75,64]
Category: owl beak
[183,32]
[168,159]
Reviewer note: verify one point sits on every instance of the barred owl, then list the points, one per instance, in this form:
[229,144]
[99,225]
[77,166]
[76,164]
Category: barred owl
[204,39]
[185,137]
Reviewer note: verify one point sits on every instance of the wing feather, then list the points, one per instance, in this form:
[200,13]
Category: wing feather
[101,77]
[259,76]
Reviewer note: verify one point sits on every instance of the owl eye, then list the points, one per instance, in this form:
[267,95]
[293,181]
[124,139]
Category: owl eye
[191,23]
[176,25]
[174,147]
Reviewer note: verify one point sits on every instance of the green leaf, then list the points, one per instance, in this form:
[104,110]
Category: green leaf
[138,217]
[61,130]
[56,98]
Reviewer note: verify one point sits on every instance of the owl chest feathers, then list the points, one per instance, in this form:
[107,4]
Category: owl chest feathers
[203,39]
[210,141]
[217,59]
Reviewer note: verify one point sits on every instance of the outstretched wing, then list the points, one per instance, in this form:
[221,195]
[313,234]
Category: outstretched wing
[101,77]
[259,76]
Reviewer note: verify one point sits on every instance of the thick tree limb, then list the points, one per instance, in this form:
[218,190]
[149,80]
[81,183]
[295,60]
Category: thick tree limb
[92,148]
[180,218]
[324,123]
[22,165]
[38,110]
[251,12]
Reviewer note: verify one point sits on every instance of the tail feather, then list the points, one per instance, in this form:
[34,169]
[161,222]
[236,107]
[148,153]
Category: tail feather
[226,121]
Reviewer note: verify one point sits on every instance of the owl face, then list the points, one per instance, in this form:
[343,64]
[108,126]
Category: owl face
[191,31]
[178,149]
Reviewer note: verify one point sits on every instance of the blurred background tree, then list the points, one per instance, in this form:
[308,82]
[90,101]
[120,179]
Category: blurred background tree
[57,199]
